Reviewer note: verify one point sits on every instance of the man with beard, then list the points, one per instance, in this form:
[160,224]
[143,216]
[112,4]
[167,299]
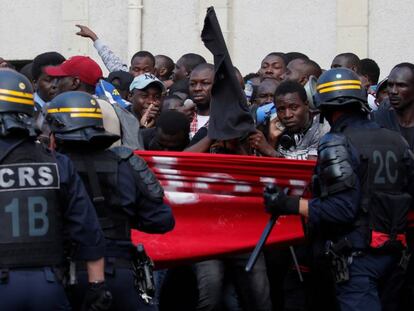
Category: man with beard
[398,113]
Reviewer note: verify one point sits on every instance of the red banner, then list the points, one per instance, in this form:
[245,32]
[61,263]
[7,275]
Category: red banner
[217,203]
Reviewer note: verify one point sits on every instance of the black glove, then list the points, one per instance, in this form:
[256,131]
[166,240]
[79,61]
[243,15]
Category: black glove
[97,298]
[279,203]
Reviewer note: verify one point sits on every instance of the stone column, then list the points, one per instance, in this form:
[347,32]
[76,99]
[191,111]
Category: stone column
[352,27]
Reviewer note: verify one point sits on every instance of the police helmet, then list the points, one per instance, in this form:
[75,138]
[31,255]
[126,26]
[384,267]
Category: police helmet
[16,93]
[16,103]
[339,87]
[77,117]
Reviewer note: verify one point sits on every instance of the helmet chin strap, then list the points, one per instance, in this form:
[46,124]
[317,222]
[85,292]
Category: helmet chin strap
[331,111]
[325,114]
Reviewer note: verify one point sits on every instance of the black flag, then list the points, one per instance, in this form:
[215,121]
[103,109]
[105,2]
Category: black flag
[229,115]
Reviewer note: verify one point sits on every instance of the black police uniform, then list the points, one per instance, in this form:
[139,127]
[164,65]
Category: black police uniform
[347,205]
[361,194]
[126,195]
[42,203]
[399,295]
[125,206]
[45,197]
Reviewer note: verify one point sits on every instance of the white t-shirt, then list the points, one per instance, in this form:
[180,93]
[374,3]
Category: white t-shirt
[201,121]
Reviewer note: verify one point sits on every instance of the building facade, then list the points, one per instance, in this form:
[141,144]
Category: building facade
[378,29]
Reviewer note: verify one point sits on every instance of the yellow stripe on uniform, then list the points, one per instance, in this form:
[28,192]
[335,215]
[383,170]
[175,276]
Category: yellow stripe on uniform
[340,87]
[321,86]
[80,109]
[17,100]
[86,115]
[16,93]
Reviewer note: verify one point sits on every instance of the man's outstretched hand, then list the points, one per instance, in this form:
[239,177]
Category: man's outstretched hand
[86,32]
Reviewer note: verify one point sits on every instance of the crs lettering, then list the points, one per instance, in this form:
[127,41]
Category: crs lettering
[29,176]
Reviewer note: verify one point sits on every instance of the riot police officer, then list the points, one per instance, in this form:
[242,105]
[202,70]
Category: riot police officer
[41,200]
[361,193]
[124,191]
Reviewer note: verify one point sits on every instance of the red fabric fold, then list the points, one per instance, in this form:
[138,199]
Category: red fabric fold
[218,205]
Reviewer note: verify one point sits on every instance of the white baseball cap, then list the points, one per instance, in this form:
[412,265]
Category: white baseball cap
[142,81]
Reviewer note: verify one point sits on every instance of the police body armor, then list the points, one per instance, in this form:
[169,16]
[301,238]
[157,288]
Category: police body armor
[384,200]
[384,162]
[31,225]
[99,172]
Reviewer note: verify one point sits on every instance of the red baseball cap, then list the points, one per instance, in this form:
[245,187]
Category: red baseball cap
[83,67]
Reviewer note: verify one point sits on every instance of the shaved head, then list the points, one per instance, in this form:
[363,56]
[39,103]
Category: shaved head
[204,66]
[300,70]
[346,60]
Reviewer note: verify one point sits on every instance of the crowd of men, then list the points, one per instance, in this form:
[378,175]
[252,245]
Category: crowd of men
[94,191]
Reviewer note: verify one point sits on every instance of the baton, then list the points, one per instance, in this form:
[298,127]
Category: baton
[296,263]
[263,238]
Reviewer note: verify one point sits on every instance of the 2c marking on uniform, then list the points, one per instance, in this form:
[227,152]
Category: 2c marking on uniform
[384,167]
